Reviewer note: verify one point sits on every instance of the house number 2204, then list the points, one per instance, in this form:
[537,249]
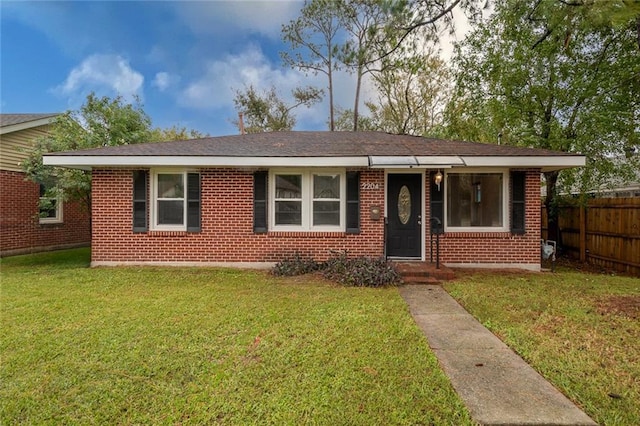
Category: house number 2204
[369,185]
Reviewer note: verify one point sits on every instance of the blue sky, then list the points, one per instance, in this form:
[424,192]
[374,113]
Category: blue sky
[183,59]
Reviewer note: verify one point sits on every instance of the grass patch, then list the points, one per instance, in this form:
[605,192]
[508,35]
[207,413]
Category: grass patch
[579,330]
[208,346]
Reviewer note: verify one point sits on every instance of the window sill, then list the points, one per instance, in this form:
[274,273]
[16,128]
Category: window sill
[307,234]
[480,234]
[158,233]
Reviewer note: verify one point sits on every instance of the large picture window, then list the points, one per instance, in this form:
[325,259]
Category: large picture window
[308,200]
[476,201]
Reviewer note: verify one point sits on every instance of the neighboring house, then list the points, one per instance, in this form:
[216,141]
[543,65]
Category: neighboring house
[26,224]
[254,199]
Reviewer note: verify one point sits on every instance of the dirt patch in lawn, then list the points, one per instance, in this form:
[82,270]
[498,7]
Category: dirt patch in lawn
[628,306]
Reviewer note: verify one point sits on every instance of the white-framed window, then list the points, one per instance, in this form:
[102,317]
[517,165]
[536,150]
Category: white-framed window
[169,207]
[303,200]
[49,208]
[477,201]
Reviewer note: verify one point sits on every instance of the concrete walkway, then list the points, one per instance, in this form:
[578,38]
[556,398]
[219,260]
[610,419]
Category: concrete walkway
[496,385]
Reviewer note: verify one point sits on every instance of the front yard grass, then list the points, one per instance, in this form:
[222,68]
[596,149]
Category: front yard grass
[581,331]
[208,346]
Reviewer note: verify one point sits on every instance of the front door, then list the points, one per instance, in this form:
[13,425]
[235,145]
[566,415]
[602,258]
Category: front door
[404,215]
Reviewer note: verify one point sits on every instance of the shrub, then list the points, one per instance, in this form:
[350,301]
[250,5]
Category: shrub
[360,271]
[357,272]
[296,265]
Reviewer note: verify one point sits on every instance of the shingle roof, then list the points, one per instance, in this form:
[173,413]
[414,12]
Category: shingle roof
[314,144]
[13,119]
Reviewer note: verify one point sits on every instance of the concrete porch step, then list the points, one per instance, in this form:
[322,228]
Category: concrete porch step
[423,272]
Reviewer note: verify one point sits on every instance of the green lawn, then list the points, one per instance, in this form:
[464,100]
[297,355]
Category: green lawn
[581,331]
[207,346]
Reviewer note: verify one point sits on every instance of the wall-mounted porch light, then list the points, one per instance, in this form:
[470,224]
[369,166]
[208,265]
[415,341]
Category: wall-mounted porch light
[438,179]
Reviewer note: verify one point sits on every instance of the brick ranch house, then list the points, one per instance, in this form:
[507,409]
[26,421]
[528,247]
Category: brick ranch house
[26,226]
[251,200]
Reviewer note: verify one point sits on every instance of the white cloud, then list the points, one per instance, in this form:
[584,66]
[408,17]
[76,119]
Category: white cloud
[163,80]
[229,17]
[216,87]
[103,73]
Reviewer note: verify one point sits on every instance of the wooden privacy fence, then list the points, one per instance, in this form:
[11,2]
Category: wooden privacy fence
[605,232]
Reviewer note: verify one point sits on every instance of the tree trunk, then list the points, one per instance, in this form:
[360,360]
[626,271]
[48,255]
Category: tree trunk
[357,101]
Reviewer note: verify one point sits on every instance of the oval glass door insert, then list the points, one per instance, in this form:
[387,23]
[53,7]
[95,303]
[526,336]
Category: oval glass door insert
[404,205]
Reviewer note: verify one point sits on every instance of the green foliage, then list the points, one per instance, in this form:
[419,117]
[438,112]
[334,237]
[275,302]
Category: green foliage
[296,265]
[175,133]
[552,75]
[100,122]
[411,97]
[267,112]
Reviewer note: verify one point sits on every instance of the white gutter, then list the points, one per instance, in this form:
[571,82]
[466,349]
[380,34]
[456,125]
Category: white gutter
[87,162]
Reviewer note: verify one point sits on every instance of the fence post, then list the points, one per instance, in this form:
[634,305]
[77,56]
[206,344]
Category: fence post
[583,233]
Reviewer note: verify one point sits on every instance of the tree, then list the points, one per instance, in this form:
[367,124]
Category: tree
[344,121]
[363,21]
[411,98]
[175,133]
[313,46]
[548,75]
[99,122]
[267,112]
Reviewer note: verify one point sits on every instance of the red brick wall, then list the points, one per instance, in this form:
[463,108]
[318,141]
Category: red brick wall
[227,227]
[499,247]
[20,230]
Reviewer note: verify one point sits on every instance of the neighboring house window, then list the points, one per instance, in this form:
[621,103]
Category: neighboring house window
[476,201]
[176,201]
[308,200]
[50,208]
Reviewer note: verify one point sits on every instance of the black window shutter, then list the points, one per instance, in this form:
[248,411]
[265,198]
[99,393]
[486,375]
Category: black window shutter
[436,196]
[260,202]
[140,183]
[193,202]
[518,195]
[353,203]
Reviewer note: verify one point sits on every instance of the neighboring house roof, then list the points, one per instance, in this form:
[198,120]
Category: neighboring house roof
[339,149]
[14,122]
[18,134]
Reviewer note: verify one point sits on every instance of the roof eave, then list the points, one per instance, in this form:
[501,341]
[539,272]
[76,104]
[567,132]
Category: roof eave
[26,125]
[87,162]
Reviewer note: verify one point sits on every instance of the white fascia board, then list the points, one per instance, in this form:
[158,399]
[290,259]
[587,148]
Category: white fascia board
[546,163]
[26,125]
[87,162]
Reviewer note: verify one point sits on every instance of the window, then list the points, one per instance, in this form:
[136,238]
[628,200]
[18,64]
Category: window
[308,200]
[176,201]
[476,201]
[50,208]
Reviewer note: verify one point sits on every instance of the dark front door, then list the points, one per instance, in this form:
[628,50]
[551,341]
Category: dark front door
[404,215]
